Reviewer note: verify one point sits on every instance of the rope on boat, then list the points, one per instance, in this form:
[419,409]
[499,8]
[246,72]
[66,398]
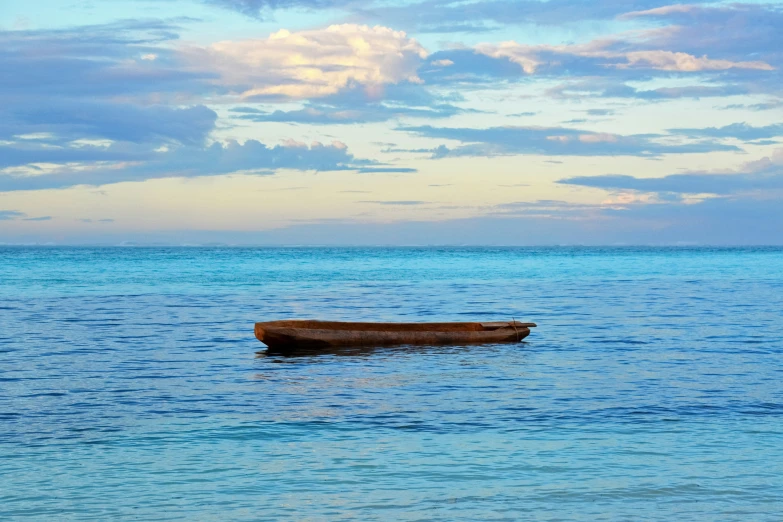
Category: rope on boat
[514,324]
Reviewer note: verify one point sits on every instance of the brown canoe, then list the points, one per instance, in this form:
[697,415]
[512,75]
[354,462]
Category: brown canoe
[293,334]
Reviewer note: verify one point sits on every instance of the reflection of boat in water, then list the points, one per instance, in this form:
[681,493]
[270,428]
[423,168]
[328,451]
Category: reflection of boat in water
[282,335]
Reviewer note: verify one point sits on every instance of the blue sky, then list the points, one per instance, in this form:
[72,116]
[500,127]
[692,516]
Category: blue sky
[380,122]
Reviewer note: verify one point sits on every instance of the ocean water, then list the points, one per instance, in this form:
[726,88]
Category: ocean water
[651,390]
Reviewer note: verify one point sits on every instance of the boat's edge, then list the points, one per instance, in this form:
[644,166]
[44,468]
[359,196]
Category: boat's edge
[392,326]
[285,337]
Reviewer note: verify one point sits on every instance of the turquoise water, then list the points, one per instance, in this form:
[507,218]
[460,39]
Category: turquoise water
[130,388]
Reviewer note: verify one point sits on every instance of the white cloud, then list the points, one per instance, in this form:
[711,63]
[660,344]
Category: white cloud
[532,57]
[523,55]
[601,137]
[774,160]
[683,62]
[315,63]
[661,11]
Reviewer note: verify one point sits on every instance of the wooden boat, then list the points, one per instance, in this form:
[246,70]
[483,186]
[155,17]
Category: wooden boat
[292,334]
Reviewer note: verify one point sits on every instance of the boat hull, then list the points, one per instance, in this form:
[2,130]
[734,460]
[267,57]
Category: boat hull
[282,335]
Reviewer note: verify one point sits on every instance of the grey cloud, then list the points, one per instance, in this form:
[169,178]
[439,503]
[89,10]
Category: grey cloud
[103,120]
[6,215]
[67,83]
[457,27]
[354,105]
[64,96]
[763,142]
[263,8]
[90,220]
[614,88]
[216,159]
[96,61]
[554,141]
[398,202]
[590,78]
[544,204]
[469,68]
[29,152]
[599,112]
[735,31]
[321,114]
[714,37]
[755,106]
[385,170]
[689,183]
[740,131]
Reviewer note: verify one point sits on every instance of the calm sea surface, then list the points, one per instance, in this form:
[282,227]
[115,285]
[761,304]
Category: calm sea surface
[652,389]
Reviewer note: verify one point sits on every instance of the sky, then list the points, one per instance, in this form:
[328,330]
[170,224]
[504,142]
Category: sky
[376,122]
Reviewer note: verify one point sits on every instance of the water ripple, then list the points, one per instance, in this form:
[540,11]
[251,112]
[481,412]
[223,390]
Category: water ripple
[130,386]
